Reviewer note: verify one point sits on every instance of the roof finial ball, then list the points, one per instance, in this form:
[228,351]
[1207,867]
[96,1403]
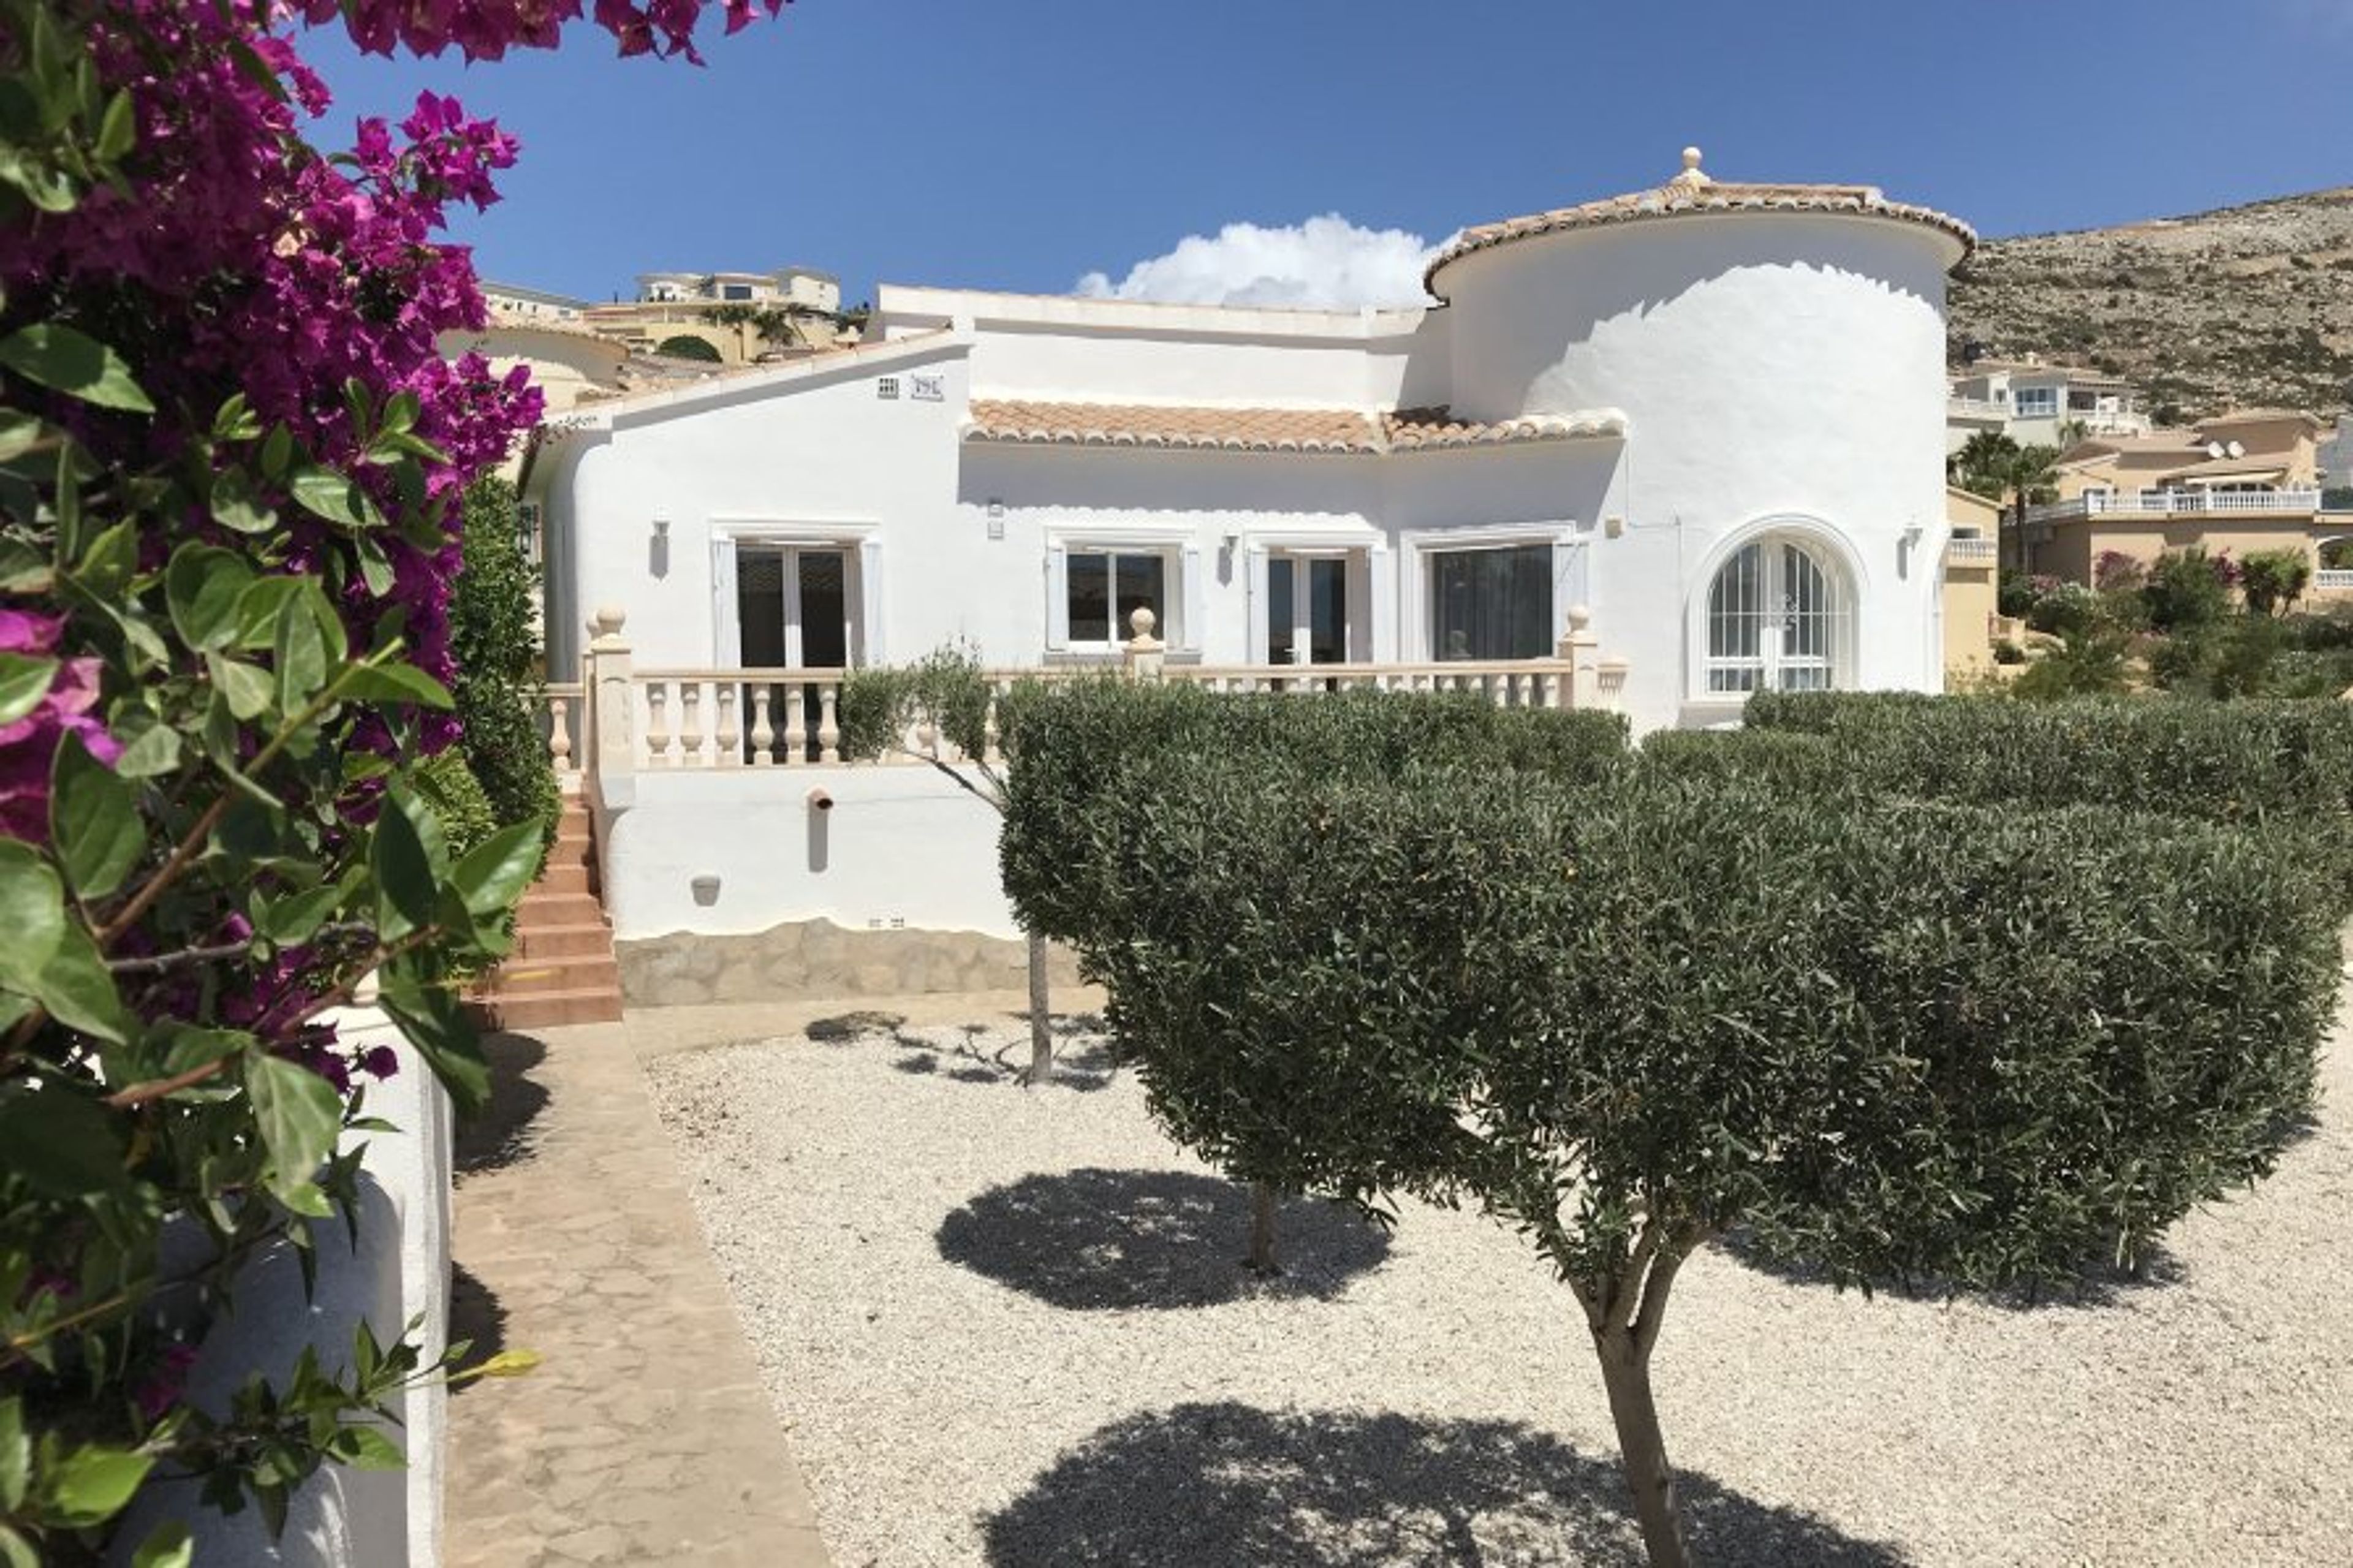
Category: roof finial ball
[1692,175]
[1692,159]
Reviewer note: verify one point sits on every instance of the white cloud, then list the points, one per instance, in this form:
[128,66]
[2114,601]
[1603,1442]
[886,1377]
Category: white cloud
[1327,261]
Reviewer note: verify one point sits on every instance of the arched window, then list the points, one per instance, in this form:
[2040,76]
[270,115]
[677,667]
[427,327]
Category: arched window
[1777,621]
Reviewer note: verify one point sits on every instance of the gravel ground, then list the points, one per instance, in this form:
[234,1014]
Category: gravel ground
[1008,1326]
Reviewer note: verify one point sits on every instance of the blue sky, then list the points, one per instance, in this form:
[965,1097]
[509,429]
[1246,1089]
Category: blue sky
[1024,144]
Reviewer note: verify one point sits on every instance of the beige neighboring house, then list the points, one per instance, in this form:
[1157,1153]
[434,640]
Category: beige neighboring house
[2240,483]
[512,305]
[1971,582]
[801,306]
[2035,404]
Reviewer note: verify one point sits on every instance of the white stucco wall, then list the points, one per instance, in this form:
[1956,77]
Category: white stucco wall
[399,1270]
[899,844]
[1775,370]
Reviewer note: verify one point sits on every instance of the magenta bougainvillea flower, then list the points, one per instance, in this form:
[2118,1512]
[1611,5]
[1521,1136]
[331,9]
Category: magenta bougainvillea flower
[28,746]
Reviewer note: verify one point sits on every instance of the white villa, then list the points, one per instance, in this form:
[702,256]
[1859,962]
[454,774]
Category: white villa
[1703,421]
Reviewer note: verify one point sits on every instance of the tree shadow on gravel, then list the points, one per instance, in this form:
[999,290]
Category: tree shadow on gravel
[1093,1239]
[499,1134]
[968,1057]
[1229,1484]
[2103,1284]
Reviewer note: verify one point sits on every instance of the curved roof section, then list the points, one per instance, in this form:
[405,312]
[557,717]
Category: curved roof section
[1343,431]
[1693,193]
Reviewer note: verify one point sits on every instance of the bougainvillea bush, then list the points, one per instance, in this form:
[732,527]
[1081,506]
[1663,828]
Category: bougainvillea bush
[229,455]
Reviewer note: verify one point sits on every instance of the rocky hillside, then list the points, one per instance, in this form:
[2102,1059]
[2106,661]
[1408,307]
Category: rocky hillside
[2246,307]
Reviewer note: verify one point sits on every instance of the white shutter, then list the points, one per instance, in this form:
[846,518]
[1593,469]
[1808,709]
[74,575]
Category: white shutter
[869,647]
[726,634]
[1058,598]
[1192,603]
[1254,569]
[1383,599]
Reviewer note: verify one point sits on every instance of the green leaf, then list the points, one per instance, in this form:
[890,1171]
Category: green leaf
[296,918]
[150,754]
[168,1545]
[329,495]
[118,131]
[298,1113]
[23,681]
[368,1448]
[94,820]
[237,503]
[94,1483]
[61,1142]
[301,654]
[246,686]
[77,988]
[187,1048]
[429,1016]
[80,366]
[396,683]
[375,566]
[20,432]
[16,1551]
[31,913]
[23,569]
[16,1456]
[495,875]
[203,586]
[404,873]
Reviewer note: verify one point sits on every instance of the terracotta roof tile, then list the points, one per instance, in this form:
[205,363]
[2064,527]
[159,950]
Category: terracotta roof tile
[1693,193]
[1308,430]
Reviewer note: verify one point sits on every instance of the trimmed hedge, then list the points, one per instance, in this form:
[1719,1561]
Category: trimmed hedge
[495,645]
[2218,762]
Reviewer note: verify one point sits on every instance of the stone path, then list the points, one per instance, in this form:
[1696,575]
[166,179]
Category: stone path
[645,1436]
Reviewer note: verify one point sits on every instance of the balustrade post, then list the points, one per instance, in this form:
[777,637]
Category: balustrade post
[763,730]
[1577,649]
[611,697]
[559,734]
[796,725]
[1144,653]
[828,732]
[689,721]
[731,734]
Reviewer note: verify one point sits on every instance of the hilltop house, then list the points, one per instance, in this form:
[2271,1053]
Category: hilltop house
[1708,415]
[2040,404]
[2243,482]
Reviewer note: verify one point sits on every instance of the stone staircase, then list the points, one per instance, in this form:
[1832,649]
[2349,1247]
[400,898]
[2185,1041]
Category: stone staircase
[562,969]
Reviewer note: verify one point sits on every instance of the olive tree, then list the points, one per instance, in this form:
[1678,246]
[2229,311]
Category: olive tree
[1242,1031]
[1629,1015]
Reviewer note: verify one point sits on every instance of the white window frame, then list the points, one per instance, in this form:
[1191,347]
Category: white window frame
[2037,403]
[1847,587]
[1182,581]
[1570,566]
[1372,589]
[862,589]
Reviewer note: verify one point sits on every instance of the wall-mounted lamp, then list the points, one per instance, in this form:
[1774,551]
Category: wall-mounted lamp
[996,507]
[1613,526]
[661,528]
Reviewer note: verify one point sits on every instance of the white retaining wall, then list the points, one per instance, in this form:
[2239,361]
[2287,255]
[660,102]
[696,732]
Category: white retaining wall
[342,1518]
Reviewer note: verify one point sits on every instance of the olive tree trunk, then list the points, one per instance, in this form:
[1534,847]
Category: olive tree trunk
[1626,1373]
[1261,1236]
[1042,1021]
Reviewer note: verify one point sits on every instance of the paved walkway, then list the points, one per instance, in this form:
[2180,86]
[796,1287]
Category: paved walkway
[645,1436]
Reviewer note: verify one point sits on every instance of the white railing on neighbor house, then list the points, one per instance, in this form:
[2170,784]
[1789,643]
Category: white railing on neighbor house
[656,720]
[1972,552]
[1975,408]
[2330,580]
[2180,503]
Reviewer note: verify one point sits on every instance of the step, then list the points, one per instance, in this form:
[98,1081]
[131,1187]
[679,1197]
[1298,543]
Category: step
[539,908]
[562,878]
[577,971]
[537,941]
[550,1009]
